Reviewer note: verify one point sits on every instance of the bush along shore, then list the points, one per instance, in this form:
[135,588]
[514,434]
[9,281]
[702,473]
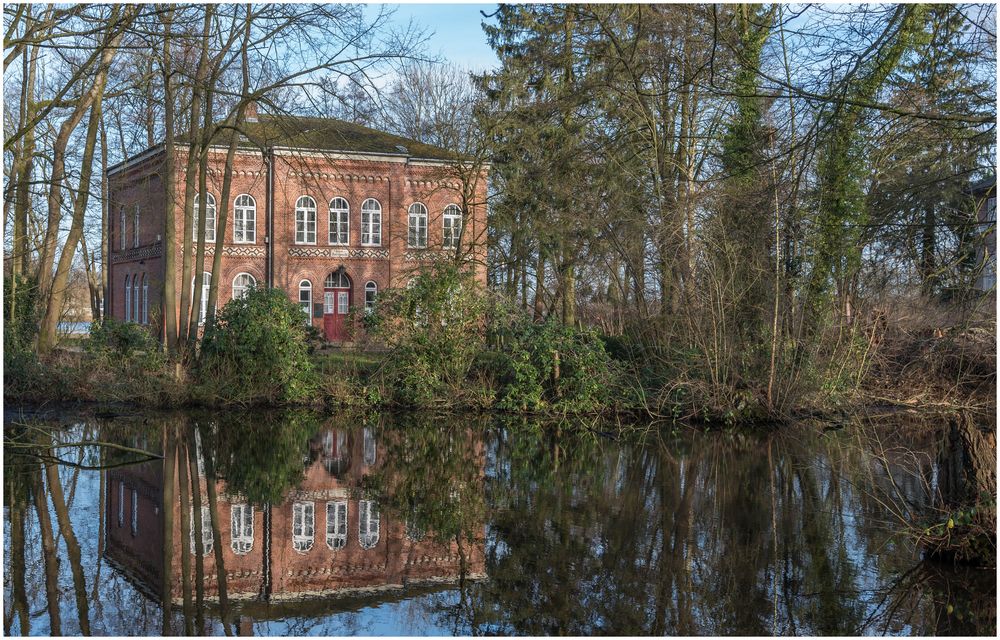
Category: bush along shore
[445,343]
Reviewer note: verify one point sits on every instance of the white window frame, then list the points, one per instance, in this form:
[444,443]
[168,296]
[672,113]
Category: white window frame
[145,300]
[245,219]
[305,286]
[135,513]
[207,536]
[244,286]
[135,298]
[206,285]
[305,220]
[340,222]
[336,526]
[452,231]
[370,446]
[368,526]
[370,287]
[135,226]
[121,235]
[303,535]
[209,218]
[328,282]
[416,228]
[241,528]
[371,223]
[128,298]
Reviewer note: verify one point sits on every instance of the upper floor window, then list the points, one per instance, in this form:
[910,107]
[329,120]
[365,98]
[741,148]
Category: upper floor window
[452,226]
[209,217]
[305,299]
[128,299]
[416,236]
[371,292]
[135,226]
[245,219]
[242,528]
[242,283]
[121,229]
[303,525]
[368,524]
[340,221]
[371,222]
[369,446]
[336,525]
[305,220]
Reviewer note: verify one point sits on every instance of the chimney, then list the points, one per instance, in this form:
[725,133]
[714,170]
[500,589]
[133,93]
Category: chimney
[250,114]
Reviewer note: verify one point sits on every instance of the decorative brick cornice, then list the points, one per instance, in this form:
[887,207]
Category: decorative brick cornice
[429,255]
[154,250]
[338,252]
[337,176]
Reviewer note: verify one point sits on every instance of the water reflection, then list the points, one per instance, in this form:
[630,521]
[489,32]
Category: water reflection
[418,524]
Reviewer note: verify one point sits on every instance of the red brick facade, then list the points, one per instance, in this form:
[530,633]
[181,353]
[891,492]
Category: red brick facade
[394,181]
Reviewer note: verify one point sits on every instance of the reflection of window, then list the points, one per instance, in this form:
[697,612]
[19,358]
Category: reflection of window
[207,539]
[414,531]
[369,447]
[368,523]
[303,526]
[242,528]
[121,504]
[336,525]
[135,512]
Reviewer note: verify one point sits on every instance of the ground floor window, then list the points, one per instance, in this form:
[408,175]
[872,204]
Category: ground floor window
[305,299]
[371,292]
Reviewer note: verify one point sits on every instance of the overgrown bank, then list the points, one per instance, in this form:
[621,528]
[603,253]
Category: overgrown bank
[443,343]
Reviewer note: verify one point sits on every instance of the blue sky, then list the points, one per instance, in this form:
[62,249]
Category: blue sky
[455,31]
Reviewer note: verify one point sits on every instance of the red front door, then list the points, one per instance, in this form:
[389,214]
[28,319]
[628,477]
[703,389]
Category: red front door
[336,303]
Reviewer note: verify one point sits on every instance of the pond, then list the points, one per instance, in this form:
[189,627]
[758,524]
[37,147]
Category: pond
[415,524]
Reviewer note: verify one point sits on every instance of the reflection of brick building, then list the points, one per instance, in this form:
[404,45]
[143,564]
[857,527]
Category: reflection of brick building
[303,547]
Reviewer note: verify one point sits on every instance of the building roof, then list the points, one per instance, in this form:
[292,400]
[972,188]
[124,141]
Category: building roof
[984,185]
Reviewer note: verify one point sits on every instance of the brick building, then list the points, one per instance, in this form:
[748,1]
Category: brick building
[327,539]
[330,212]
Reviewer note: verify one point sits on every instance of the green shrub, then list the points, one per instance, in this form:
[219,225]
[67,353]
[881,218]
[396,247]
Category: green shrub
[125,339]
[257,352]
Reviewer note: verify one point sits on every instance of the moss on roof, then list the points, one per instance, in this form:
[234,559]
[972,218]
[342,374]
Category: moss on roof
[330,134]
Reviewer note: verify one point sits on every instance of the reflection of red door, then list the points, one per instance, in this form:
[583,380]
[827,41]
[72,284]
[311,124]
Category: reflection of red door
[336,303]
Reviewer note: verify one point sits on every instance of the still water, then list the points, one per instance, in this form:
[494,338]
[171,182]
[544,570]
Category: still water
[298,524]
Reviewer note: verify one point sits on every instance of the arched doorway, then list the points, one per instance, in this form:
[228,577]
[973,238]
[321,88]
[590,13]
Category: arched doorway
[336,303]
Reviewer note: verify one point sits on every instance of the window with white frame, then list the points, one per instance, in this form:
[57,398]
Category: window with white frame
[305,299]
[245,219]
[145,300]
[207,539]
[209,218]
[241,521]
[368,524]
[305,220]
[452,226]
[135,226]
[121,230]
[135,512]
[303,525]
[206,285]
[121,504]
[371,222]
[369,442]
[340,221]
[242,284]
[371,293]
[336,525]
[416,236]
[135,298]
[128,298]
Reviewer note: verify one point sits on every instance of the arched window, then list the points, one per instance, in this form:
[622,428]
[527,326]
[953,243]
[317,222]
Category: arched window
[305,220]
[452,226]
[242,283]
[340,221]
[206,285]
[128,298]
[207,539]
[209,218]
[245,219]
[337,280]
[371,222]
[135,298]
[371,292]
[368,524]
[145,300]
[241,521]
[121,231]
[305,299]
[135,226]
[303,525]
[369,446]
[336,525]
[416,236]
[121,504]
